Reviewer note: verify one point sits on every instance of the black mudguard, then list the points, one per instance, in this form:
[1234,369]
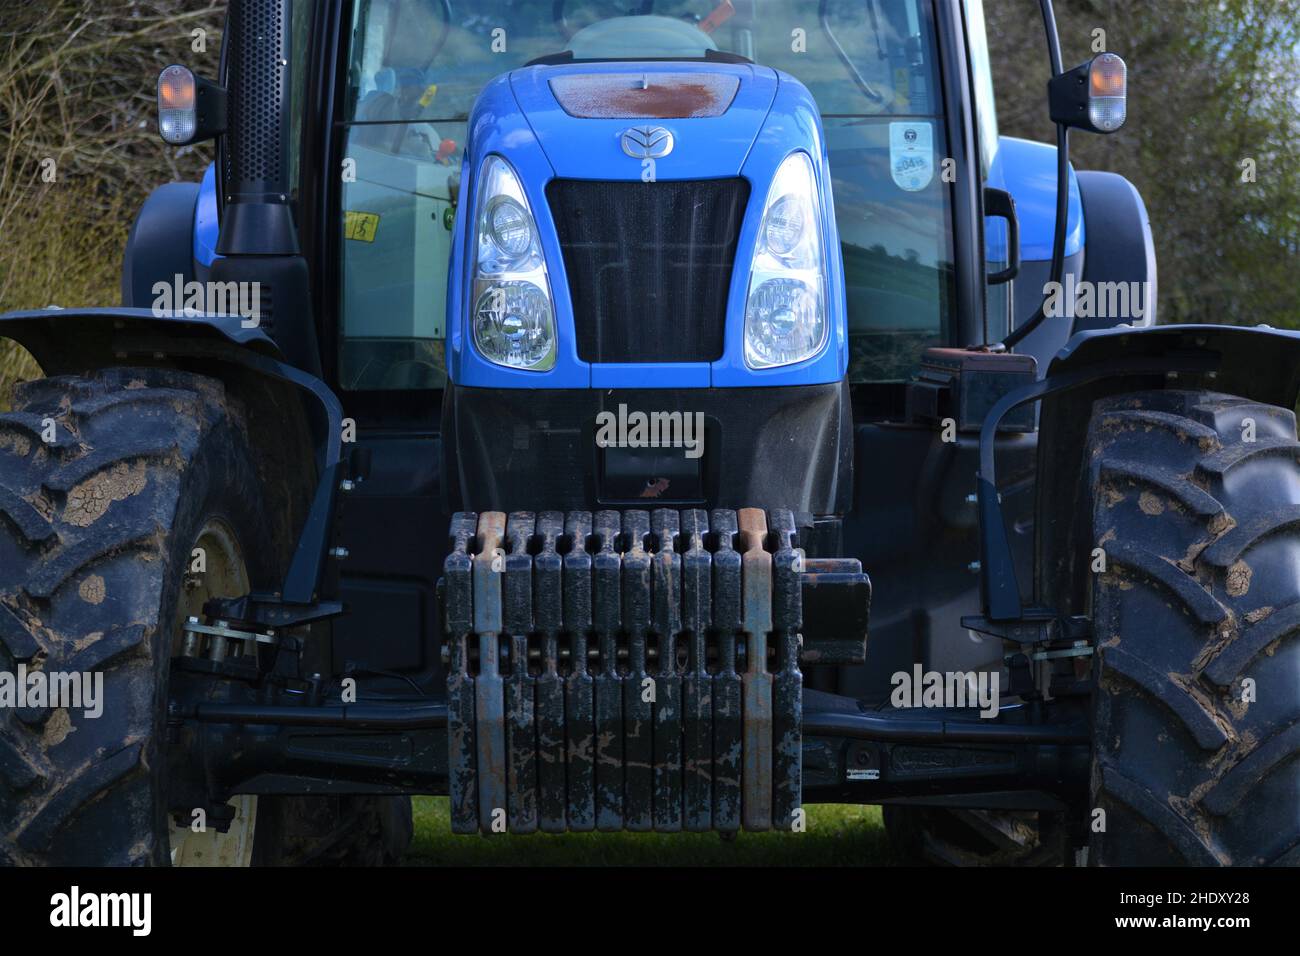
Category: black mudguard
[161,243]
[1119,246]
[1259,363]
[71,341]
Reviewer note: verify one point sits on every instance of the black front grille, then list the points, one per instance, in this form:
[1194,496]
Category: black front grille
[649,265]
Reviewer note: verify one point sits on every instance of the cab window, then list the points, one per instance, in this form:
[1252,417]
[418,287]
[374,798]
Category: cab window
[415,68]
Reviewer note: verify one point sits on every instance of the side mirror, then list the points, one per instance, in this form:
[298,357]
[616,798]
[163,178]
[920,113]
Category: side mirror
[190,108]
[1093,96]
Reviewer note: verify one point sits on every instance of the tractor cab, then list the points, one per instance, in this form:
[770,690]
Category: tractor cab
[872,71]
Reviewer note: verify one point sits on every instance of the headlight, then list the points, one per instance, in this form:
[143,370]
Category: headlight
[509,227]
[783,226]
[514,325]
[514,315]
[785,311]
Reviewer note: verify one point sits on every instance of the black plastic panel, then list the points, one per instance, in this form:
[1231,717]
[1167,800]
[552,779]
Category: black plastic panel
[535,449]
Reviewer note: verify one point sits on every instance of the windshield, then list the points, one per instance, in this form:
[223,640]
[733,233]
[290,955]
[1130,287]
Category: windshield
[416,67]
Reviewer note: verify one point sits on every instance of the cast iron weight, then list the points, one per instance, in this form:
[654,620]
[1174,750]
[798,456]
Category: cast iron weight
[462,787]
[727,690]
[549,685]
[579,713]
[521,720]
[756,580]
[489,697]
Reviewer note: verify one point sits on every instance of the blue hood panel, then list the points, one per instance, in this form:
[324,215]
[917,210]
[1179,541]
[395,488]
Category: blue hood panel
[518,117]
[589,148]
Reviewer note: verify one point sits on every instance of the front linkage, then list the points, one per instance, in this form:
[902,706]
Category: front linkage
[637,671]
[640,671]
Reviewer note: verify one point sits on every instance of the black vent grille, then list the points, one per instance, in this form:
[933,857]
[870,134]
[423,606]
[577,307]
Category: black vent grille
[649,265]
[257,90]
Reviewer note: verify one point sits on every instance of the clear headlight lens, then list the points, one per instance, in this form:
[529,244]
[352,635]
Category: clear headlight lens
[514,325]
[514,315]
[783,226]
[785,312]
[509,227]
[785,322]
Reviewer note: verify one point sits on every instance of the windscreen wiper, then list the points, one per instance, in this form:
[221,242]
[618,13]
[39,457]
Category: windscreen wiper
[710,56]
[823,12]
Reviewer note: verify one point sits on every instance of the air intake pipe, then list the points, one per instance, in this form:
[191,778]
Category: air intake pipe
[258,242]
[258,220]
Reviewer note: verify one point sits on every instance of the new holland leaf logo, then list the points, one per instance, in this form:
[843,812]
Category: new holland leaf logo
[647,142]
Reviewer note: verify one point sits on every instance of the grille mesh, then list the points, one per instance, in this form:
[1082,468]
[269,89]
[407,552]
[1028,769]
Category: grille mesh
[649,265]
[256,80]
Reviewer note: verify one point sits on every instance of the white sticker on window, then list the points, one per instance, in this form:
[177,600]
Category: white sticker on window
[911,154]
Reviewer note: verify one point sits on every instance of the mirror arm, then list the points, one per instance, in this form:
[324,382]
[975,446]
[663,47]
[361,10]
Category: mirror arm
[1062,185]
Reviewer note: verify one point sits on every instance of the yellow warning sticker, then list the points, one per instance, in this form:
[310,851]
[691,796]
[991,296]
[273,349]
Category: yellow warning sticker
[361,226]
[902,86]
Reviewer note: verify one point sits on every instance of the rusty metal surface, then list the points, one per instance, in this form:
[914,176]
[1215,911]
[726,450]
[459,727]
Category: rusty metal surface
[645,95]
[549,687]
[787,683]
[521,719]
[489,689]
[579,713]
[756,621]
[458,604]
[667,624]
[697,683]
[520,686]
[638,687]
[727,714]
[606,621]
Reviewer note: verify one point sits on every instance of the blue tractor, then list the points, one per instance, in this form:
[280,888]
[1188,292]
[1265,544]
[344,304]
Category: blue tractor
[517,408]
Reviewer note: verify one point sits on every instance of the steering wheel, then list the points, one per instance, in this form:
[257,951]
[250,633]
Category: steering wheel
[562,24]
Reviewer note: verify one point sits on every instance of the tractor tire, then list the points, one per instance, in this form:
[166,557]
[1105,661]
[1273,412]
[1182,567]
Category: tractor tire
[1195,501]
[107,481]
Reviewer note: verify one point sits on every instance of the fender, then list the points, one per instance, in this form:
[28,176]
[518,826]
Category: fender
[1119,246]
[1259,363]
[159,246]
[71,341]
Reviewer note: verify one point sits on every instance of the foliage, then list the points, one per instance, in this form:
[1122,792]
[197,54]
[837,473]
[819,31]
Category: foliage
[1211,86]
[78,144]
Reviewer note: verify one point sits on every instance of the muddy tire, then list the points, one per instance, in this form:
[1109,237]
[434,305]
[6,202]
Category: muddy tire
[1196,503]
[106,483]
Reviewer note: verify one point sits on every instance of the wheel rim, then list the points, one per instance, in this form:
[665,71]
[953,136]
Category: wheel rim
[225,575]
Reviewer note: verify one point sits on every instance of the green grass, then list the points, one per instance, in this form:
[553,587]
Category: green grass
[836,836]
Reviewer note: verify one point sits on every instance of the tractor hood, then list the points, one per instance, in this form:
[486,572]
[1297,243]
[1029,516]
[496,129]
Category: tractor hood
[647,183]
[605,120]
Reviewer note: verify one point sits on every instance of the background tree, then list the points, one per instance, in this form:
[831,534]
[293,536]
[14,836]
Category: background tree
[79,150]
[1210,142]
